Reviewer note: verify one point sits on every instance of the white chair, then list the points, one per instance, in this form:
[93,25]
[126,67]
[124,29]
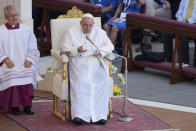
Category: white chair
[59,63]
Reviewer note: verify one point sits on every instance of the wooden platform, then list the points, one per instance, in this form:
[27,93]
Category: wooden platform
[178,120]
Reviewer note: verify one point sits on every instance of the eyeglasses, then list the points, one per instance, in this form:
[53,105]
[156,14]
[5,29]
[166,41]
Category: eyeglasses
[14,15]
[87,25]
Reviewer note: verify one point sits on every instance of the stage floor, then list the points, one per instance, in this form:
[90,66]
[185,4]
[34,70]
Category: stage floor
[177,119]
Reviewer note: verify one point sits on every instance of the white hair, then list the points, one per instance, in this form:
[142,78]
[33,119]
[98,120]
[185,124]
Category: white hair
[7,8]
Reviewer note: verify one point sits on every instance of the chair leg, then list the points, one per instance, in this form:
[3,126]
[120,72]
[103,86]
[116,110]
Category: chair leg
[64,108]
[55,103]
[110,116]
[62,115]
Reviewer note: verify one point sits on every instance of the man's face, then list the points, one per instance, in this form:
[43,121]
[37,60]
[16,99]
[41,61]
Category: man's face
[12,16]
[87,25]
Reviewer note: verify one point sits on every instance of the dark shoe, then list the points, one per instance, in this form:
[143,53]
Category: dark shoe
[156,39]
[145,47]
[16,111]
[28,110]
[150,33]
[101,122]
[77,121]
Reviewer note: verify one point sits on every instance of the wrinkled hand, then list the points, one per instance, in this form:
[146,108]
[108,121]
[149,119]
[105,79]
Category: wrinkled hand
[27,64]
[9,63]
[96,53]
[81,49]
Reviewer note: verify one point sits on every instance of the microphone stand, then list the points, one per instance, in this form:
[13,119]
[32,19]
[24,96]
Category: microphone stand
[125,117]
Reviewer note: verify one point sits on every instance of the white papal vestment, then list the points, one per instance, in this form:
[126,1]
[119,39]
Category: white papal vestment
[19,45]
[89,75]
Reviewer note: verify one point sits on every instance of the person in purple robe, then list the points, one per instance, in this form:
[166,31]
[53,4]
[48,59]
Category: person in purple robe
[18,64]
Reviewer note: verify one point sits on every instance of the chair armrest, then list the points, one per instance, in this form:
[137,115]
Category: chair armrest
[110,56]
[56,54]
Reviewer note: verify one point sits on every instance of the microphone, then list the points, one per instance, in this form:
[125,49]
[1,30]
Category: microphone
[88,38]
[124,118]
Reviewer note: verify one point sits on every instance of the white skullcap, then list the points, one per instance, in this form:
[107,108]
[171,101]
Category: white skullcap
[88,15]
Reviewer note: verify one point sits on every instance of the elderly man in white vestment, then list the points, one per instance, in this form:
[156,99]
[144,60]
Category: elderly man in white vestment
[89,71]
[18,64]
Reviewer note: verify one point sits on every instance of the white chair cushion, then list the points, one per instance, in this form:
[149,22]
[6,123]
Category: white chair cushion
[60,89]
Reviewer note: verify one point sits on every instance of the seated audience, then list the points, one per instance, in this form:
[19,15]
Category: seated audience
[18,64]
[118,23]
[186,13]
[37,15]
[174,5]
[108,8]
[90,84]
[159,8]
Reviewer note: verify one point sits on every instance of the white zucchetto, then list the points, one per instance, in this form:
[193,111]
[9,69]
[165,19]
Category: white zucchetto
[88,15]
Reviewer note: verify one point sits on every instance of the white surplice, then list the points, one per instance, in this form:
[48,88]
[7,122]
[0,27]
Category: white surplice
[18,45]
[89,75]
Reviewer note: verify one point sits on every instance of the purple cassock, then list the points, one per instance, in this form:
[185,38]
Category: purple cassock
[15,96]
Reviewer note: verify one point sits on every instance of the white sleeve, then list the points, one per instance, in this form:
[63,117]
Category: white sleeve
[179,14]
[108,46]
[2,53]
[33,53]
